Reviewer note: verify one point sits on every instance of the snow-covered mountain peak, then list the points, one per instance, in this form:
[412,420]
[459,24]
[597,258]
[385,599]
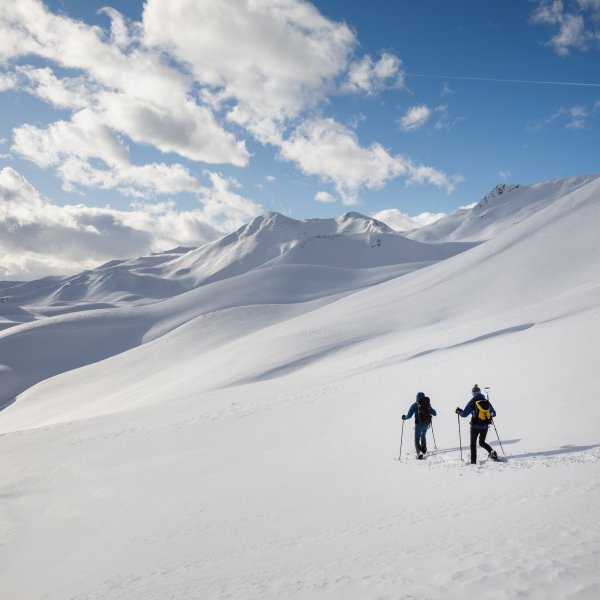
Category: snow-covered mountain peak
[276,223]
[499,190]
[504,206]
[353,222]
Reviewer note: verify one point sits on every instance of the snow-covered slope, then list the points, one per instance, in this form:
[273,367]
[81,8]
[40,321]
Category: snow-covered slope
[122,304]
[11,314]
[504,206]
[245,449]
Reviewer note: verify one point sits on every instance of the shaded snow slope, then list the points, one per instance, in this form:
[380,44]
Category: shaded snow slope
[245,450]
[11,314]
[33,352]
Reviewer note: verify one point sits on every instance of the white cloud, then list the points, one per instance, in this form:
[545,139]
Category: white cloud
[85,137]
[225,209]
[75,147]
[331,151]
[573,117]
[272,59]
[138,181]
[179,79]
[121,34]
[270,178]
[67,92]
[39,237]
[577,115]
[8,81]
[504,175]
[325,197]
[399,221]
[129,86]
[422,174]
[415,118]
[571,21]
[366,75]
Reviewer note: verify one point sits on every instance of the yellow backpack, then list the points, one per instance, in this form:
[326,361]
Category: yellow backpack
[483,414]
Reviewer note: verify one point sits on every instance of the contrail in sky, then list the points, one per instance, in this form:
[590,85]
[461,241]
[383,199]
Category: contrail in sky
[571,83]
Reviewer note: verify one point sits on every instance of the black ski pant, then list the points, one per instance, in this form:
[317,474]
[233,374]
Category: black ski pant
[420,439]
[481,434]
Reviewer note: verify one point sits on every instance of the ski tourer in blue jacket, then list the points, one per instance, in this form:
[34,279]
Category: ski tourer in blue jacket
[481,411]
[423,412]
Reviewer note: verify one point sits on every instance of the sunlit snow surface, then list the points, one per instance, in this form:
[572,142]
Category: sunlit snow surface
[224,422]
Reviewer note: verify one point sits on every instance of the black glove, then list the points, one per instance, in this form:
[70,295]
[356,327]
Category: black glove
[404,417]
[458,410]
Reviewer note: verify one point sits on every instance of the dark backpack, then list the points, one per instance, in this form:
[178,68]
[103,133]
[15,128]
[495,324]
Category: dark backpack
[423,414]
[482,415]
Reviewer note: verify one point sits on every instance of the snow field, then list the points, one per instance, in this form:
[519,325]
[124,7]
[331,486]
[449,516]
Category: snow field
[240,440]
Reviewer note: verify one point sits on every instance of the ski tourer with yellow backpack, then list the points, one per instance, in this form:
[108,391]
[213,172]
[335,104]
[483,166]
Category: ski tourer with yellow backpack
[481,411]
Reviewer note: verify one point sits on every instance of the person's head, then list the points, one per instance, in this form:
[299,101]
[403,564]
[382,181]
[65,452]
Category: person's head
[420,395]
[475,390]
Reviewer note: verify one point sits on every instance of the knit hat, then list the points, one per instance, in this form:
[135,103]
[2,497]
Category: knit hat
[420,395]
[475,389]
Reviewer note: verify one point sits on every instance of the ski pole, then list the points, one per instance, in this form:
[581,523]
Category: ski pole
[401,436]
[459,436]
[487,395]
[433,434]
[494,424]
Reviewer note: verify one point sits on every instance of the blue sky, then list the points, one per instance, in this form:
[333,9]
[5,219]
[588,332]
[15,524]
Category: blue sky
[137,128]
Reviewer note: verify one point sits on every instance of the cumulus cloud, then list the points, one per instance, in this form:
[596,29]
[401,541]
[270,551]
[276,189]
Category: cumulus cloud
[130,87]
[327,149]
[325,197]
[273,60]
[415,118]
[575,23]
[186,76]
[8,81]
[399,221]
[224,208]
[331,151]
[369,76]
[75,148]
[39,237]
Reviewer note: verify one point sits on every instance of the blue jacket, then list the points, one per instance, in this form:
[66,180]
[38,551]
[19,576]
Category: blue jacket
[470,410]
[413,409]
